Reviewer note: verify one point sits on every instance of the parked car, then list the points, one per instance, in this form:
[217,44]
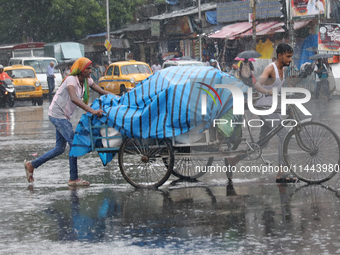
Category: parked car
[26,83]
[170,63]
[40,66]
[123,76]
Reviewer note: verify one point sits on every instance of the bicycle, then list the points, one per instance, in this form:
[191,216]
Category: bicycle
[311,150]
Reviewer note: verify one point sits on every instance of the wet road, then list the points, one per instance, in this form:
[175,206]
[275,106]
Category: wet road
[254,216]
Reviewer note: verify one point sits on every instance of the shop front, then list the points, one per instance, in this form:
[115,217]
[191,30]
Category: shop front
[178,31]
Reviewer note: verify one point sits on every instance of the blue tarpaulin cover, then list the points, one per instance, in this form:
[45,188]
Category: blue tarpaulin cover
[166,104]
[211,17]
[310,41]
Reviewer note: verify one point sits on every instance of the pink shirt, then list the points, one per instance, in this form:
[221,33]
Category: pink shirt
[62,106]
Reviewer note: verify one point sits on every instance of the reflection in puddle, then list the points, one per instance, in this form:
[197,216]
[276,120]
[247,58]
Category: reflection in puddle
[252,219]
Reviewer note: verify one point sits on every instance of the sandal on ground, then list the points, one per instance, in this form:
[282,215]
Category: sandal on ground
[79,182]
[29,175]
[287,180]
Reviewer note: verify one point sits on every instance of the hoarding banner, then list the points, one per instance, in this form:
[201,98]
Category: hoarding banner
[329,37]
[239,10]
[307,8]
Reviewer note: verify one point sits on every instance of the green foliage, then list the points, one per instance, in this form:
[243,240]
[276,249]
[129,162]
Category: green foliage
[61,20]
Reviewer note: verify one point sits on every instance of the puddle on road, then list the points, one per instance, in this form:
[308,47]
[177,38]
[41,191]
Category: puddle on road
[181,218]
[254,216]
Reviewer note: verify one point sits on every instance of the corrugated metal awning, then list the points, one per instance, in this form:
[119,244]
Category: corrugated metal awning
[184,12]
[297,25]
[277,28]
[259,27]
[134,27]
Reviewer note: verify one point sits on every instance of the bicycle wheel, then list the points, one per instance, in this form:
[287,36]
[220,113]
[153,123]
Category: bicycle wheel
[141,162]
[185,167]
[319,160]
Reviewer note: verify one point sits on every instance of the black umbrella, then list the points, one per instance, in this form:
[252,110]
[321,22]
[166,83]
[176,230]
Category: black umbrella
[249,54]
[321,55]
[187,58]
[64,64]
[168,57]
[312,49]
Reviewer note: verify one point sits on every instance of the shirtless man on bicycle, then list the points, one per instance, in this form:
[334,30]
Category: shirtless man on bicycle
[273,77]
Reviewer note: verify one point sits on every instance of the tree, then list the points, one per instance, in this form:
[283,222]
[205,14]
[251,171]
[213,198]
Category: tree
[61,20]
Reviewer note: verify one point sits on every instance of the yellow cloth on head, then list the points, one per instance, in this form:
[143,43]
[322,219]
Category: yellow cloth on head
[78,66]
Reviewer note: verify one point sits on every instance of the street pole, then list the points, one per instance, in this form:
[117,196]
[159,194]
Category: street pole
[291,25]
[254,21]
[200,35]
[108,29]
[291,28]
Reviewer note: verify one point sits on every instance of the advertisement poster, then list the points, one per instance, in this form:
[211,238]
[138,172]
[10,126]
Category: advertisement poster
[180,25]
[304,8]
[329,37]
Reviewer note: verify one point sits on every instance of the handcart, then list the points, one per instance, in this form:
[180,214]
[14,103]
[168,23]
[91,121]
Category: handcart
[311,151]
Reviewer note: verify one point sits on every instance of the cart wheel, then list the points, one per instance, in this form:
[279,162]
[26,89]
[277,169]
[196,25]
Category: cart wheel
[140,162]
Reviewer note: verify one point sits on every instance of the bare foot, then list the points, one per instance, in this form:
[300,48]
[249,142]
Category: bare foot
[78,182]
[280,173]
[29,171]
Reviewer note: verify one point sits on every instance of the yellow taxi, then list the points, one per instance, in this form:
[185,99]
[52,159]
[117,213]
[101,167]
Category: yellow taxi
[27,85]
[123,76]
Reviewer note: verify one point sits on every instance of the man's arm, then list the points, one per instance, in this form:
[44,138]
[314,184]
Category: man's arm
[7,76]
[262,80]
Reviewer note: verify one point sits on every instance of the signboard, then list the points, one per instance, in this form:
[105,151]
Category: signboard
[107,45]
[329,37]
[155,28]
[304,8]
[239,10]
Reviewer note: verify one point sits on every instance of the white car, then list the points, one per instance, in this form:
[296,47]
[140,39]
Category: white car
[40,65]
[170,63]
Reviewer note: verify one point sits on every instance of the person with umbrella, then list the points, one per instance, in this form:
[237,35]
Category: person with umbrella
[246,71]
[273,77]
[67,71]
[321,79]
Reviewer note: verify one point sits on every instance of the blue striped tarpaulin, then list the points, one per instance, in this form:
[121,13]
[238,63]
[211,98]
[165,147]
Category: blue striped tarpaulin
[166,104]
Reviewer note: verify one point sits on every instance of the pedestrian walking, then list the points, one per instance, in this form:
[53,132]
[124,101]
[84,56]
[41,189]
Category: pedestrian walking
[72,89]
[246,72]
[156,67]
[321,79]
[50,78]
